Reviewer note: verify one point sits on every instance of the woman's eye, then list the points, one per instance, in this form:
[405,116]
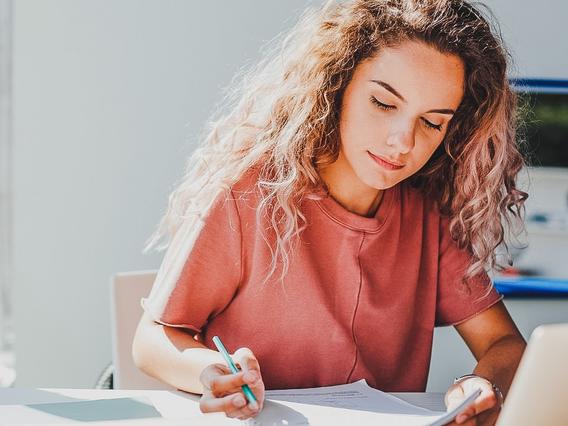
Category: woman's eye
[381,105]
[437,127]
[386,107]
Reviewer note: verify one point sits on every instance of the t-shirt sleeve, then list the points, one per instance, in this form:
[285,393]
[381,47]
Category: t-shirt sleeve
[458,301]
[210,275]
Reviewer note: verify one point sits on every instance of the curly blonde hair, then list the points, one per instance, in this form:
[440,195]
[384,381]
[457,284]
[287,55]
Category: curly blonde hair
[282,116]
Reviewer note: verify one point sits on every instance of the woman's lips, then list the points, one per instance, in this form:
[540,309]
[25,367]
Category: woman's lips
[385,163]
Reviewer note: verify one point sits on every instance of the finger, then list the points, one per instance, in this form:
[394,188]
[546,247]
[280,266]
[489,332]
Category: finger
[457,393]
[466,419]
[251,367]
[211,373]
[256,385]
[486,400]
[470,417]
[246,359]
[226,404]
[471,413]
[227,384]
[453,398]
[244,412]
[472,421]
[218,386]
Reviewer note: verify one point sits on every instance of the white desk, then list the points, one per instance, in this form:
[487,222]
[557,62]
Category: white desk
[166,402]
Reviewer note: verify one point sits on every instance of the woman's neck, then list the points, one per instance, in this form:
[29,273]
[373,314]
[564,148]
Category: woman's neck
[348,190]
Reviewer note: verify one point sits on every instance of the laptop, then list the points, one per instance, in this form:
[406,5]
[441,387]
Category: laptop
[539,394]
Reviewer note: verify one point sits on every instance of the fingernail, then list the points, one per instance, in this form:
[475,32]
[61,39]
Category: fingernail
[253,405]
[239,401]
[461,418]
[251,376]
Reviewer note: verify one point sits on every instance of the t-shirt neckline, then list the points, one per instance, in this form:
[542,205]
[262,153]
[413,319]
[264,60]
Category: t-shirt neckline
[344,217]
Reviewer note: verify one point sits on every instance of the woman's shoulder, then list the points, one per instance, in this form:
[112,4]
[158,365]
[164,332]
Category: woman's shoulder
[244,191]
[246,184]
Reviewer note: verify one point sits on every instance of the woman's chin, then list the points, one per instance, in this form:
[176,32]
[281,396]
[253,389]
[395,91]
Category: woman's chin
[380,183]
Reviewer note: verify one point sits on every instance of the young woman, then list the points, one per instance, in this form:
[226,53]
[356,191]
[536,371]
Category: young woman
[350,201]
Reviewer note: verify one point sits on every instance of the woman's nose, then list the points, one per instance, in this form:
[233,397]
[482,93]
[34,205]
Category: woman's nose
[402,140]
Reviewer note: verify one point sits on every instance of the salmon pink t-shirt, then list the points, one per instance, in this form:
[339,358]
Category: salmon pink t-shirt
[360,300]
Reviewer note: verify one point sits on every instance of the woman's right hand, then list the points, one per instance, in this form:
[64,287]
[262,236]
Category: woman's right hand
[222,389]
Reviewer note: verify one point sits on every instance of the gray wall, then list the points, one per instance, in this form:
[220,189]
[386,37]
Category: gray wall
[533,33]
[106,96]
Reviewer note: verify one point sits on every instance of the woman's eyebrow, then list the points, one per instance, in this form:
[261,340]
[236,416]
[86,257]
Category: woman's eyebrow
[391,89]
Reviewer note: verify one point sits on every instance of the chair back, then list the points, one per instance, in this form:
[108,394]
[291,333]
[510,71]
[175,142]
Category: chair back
[126,291]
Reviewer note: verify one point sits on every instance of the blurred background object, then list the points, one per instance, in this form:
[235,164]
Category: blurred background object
[546,181]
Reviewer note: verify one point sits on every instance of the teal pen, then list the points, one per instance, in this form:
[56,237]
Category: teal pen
[248,393]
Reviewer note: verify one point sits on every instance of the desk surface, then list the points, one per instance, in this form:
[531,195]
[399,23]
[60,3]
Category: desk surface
[162,400]
[429,400]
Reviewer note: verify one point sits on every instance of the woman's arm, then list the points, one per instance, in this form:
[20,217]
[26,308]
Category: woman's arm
[172,355]
[177,357]
[497,345]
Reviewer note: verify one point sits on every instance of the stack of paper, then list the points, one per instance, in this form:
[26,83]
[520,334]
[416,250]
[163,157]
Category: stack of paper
[354,403]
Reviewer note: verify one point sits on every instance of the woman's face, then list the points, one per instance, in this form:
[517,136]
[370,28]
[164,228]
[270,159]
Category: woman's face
[395,112]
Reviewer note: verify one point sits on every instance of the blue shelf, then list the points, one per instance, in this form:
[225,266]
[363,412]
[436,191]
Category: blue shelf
[524,286]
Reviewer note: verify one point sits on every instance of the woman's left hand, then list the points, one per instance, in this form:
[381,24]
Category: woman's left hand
[484,410]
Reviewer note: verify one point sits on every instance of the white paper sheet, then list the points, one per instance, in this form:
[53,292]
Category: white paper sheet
[354,403]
